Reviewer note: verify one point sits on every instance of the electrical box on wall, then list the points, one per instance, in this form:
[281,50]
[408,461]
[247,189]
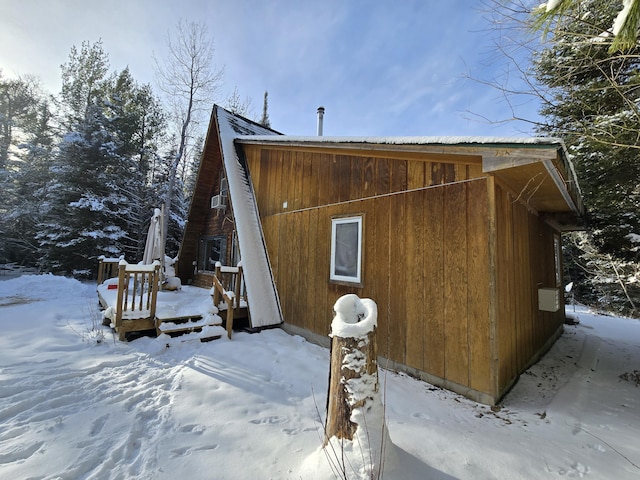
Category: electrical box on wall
[549,299]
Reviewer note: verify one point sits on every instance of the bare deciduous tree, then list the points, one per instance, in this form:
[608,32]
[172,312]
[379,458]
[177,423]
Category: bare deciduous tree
[236,105]
[190,80]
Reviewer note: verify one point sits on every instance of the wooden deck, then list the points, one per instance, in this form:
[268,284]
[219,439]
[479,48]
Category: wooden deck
[186,311]
[133,301]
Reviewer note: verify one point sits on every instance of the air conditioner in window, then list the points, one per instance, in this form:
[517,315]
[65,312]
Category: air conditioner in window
[218,201]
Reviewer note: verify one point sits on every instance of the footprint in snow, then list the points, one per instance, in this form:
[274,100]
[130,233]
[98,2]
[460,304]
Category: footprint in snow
[272,420]
[179,452]
[297,431]
[98,425]
[421,415]
[193,428]
[575,470]
[183,451]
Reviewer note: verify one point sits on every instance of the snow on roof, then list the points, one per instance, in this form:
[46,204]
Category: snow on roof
[406,140]
[261,294]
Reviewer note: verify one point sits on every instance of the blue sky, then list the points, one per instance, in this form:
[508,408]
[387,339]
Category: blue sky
[380,68]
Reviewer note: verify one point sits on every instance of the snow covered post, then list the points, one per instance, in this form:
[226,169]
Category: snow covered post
[355,432]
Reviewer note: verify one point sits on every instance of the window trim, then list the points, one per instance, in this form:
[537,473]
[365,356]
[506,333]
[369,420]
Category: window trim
[202,251]
[557,257]
[345,279]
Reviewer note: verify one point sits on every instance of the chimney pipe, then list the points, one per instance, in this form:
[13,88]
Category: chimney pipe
[320,117]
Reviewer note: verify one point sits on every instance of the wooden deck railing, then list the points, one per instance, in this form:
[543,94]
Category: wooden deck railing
[107,268]
[137,295]
[232,299]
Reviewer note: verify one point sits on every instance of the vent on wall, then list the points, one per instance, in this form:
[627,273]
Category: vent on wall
[218,201]
[549,299]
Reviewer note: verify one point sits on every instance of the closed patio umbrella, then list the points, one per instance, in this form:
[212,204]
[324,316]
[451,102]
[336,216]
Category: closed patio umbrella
[153,246]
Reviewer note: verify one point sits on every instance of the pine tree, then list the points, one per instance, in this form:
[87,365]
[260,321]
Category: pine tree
[83,78]
[24,145]
[137,122]
[621,34]
[18,103]
[592,100]
[85,215]
[595,107]
[30,181]
[99,202]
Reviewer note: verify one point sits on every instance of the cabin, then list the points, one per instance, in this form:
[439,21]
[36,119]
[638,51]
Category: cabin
[457,239]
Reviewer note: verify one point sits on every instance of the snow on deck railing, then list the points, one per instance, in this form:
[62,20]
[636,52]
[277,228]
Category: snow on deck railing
[231,298]
[108,267]
[137,267]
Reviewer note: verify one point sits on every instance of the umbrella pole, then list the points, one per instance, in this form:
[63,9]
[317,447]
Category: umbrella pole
[163,236]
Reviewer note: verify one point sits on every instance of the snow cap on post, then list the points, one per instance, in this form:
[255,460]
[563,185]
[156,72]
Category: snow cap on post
[354,317]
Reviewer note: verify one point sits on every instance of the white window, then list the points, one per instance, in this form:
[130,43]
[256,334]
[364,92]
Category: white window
[212,250]
[346,249]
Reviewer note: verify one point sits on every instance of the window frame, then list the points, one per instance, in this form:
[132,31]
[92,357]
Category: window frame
[202,254]
[557,258]
[334,277]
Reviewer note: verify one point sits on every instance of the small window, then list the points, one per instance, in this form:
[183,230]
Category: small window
[557,254]
[346,250]
[212,250]
[224,185]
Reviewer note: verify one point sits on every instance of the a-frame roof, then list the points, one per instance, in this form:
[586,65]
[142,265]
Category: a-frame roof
[261,292]
[220,150]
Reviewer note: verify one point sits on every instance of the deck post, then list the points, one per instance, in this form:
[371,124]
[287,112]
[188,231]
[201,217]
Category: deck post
[237,289]
[229,317]
[216,293]
[122,288]
[101,269]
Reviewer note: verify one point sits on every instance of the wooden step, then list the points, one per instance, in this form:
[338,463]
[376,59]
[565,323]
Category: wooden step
[205,334]
[192,326]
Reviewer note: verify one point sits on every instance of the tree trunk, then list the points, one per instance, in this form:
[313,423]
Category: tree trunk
[340,401]
[356,441]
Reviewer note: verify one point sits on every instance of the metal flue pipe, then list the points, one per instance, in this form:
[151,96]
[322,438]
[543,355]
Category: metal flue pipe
[320,120]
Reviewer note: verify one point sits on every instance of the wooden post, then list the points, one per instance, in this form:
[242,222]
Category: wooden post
[122,290]
[354,404]
[101,267]
[340,403]
[237,289]
[229,316]
[216,293]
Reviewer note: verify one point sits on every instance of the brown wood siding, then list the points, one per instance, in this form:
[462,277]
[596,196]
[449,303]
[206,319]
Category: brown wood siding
[506,301]
[525,262]
[307,180]
[203,220]
[456,282]
[425,306]
[415,247]
[481,377]
[425,260]
[434,307]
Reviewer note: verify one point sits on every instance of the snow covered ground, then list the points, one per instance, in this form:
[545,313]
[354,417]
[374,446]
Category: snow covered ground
[72,407]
